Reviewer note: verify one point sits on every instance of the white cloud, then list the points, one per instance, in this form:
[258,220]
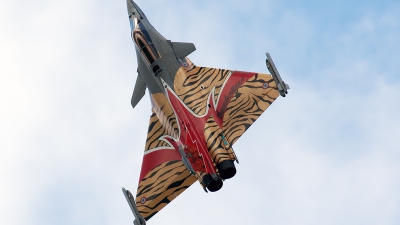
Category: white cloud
[69,138]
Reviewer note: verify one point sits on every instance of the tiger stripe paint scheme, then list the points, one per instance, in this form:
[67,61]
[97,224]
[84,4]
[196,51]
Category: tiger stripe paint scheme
[212,134]
[162,185]
[220,102]
[243,94]
[249,102]
[198,113]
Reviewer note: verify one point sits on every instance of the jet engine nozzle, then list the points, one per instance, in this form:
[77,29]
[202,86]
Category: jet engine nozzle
[226,169]
[212,184]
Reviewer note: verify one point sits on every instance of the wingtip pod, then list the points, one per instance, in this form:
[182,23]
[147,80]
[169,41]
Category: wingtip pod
[131,201]
[282,86]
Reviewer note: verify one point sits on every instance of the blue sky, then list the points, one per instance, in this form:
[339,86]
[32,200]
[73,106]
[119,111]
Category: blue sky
[328,153]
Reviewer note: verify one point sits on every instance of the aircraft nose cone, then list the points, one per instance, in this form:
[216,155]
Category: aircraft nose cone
[130,6]
[133,7]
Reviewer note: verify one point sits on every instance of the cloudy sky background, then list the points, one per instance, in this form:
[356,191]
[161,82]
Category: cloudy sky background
[328,153]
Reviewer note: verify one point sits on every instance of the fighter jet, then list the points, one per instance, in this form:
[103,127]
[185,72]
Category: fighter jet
[198,113]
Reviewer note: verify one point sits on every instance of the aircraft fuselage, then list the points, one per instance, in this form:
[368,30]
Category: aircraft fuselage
[198,113]
[156,58]
[159,60]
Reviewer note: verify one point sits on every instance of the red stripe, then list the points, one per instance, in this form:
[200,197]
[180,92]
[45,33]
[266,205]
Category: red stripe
[156,158]
[236,80]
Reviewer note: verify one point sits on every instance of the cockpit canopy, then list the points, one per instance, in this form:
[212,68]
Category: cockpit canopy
[144,43]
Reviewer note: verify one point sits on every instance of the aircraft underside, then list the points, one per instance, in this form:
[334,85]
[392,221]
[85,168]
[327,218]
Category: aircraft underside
[198,113]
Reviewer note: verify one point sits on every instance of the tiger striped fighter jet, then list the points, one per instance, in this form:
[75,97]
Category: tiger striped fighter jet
[198,113]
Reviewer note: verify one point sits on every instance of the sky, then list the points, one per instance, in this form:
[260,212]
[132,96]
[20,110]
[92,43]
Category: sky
[328,153]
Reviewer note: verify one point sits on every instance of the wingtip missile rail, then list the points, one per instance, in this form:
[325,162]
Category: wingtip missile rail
[282,86]
[131,201]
